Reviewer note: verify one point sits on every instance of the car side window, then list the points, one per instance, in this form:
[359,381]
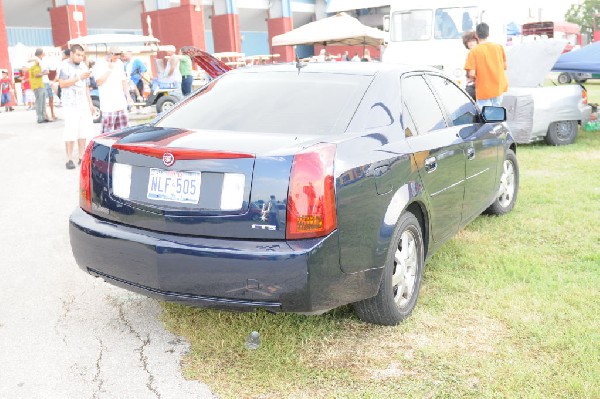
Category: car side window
[459,107]
[422,105]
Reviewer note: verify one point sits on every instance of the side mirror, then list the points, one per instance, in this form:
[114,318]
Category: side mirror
[493,114]
[386,23]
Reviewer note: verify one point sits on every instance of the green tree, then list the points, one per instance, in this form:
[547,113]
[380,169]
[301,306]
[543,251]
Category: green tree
[583,15]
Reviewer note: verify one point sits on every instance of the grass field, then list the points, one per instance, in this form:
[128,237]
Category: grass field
[508,308]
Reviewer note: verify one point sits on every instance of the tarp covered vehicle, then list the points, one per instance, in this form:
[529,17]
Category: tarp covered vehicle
[579,65]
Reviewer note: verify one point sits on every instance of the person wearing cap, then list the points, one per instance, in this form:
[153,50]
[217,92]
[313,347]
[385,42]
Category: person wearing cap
[113,89]
[171,73]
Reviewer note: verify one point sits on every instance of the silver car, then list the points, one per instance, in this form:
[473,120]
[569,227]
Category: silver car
[536,112]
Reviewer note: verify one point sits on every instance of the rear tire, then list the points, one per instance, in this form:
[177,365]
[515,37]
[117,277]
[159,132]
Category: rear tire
[509,186]
[165,103]
[562,133]
[564,78]
[401,281]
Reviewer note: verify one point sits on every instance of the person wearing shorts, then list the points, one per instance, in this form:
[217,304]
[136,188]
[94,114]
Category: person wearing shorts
[7,88]
[77,103]
[113,89]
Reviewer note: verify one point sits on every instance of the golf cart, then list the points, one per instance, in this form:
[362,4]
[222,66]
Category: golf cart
[162,95]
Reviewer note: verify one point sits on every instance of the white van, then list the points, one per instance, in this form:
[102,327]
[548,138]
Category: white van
[430,32]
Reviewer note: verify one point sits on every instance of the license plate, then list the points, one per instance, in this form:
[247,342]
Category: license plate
[172,185]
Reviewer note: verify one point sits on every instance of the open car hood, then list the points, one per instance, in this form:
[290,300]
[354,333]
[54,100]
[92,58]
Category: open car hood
[529,63]
[212,66]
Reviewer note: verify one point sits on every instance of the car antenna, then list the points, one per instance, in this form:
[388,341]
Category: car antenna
[299,65]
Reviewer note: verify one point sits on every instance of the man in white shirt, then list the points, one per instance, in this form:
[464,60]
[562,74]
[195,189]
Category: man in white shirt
[171,73]
[77,103]
[113,89]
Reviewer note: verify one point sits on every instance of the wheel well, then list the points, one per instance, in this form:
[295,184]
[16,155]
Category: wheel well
[513,147]
[417,209]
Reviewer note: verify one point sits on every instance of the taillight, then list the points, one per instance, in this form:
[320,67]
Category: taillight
[584,96]
[85,183]
[311,207]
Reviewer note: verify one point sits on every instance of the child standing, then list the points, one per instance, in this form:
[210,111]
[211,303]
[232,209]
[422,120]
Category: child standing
[7,88]
[28,97]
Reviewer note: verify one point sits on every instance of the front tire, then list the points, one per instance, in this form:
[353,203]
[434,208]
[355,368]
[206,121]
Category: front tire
[564,78]
[509,186]
[401,281]
[562,133]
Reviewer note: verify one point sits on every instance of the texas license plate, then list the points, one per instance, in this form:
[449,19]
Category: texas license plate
[172,185]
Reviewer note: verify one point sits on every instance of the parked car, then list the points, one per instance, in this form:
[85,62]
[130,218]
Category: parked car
[579,77]
[319,185]
[579,65]
[537,112]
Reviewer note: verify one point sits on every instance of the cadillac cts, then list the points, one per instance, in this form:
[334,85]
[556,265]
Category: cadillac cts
[295,188]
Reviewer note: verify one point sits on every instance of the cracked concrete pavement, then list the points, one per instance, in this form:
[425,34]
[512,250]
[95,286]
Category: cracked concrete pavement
[63,333]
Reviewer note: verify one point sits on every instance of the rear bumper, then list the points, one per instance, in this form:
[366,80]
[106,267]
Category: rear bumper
[295,276]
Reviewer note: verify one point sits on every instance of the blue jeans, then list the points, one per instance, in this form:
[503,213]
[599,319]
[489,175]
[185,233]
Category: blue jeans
[186,84]
[494,101]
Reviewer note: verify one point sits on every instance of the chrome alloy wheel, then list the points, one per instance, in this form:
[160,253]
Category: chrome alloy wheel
[564,130]
[507,184]
[405,269]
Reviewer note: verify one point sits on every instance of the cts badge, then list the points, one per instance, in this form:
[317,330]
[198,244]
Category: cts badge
[168,159]
[269,227]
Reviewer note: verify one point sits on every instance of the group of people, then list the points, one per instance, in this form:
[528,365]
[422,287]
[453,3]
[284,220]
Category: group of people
[325,56]
[120,81]
[486,67]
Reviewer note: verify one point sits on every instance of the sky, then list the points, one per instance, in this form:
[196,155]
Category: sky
[552,10]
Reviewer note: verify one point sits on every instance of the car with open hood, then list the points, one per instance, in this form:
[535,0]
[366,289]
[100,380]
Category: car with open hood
[536,111]
[294,188]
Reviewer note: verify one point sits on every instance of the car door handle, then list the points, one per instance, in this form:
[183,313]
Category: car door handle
[430,164]
[471,153]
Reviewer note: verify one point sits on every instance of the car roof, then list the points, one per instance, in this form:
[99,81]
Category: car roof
[352,68]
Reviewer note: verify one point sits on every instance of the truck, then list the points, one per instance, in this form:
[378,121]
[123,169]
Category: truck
[430,33]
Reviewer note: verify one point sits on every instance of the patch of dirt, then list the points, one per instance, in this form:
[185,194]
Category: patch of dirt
[382,353]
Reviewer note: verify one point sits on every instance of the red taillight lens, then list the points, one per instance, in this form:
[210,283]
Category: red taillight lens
[584,96]
[311,207]
[85,183]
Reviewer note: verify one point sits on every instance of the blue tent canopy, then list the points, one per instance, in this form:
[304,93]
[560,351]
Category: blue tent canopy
[585,60]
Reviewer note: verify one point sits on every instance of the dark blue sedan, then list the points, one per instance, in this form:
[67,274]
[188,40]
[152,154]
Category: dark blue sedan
[295,188]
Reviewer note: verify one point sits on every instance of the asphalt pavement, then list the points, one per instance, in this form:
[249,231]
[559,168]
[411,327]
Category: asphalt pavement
[63,333]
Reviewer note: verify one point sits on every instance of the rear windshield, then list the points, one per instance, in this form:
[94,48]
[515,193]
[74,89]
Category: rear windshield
[273,102]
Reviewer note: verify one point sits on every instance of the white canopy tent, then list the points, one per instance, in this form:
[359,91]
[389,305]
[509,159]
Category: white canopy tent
[345,5]
[101,43]
[341,30]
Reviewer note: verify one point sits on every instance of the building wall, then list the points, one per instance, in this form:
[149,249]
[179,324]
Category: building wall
[34,37]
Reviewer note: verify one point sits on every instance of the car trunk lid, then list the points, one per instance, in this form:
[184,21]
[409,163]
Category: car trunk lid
[183,182]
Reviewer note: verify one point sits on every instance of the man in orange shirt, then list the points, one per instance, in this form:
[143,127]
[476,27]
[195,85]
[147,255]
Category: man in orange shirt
[486,63]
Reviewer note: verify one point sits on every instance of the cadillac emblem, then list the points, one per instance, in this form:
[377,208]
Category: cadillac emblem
[168,159]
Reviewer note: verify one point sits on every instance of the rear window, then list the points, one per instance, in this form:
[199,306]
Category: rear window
[273,102]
